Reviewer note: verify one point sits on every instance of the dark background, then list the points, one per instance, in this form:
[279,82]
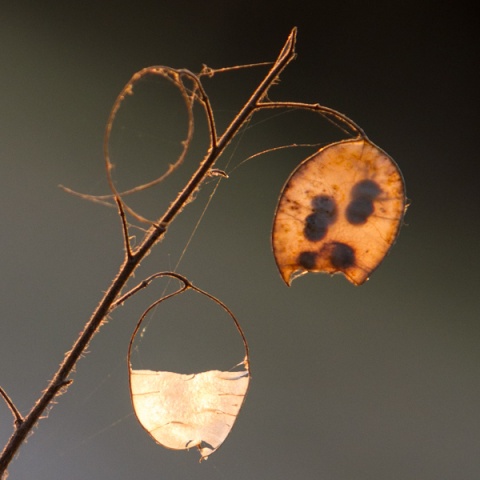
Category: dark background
[376,382]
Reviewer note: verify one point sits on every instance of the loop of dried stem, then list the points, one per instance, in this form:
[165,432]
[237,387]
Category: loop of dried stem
[174,77]
[187,285]
[189,95]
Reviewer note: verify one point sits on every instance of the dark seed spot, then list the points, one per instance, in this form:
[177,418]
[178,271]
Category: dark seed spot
[307,260]
[366,189]
[359,210]
[324,204]
[342,256]
[361,207]
[315,227]
[324,214]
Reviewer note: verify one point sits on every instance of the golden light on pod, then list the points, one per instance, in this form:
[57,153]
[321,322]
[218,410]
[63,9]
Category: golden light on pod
[185,411]
[340,211]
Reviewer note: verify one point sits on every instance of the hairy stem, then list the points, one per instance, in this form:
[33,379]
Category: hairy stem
[132,260]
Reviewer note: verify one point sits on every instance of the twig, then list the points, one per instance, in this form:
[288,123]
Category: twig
[316,107]
[16,414]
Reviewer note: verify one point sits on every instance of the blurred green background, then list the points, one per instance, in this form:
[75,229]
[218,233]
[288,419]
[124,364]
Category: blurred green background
[376,382]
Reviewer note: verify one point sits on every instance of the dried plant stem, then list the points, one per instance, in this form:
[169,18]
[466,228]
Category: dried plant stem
[17,415]
[24,426]
[329,113]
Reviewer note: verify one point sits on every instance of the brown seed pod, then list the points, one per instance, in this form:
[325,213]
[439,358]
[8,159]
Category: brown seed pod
[340,211]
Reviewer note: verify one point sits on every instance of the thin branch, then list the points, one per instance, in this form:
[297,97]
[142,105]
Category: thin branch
[145,283]
[126,235]
[16,414]
[316,107]
[205,101]
[287,54]
[210,72]
[275,149]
